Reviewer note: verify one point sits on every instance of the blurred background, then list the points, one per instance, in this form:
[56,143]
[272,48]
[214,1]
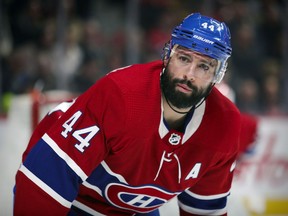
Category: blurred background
[54,50]
[69,44]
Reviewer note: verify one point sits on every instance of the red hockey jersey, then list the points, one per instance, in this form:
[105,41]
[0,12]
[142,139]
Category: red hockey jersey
[109,152]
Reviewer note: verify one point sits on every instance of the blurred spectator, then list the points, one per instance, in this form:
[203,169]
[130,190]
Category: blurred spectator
[44,77]
[159,34]
[89,72]
[26,20]
[151,11]
[21,67]
[47,38]
[92,39]
[68,56]
[246,56]
[272,102]
[75,39]
[271,27]
[248,96]
[271,99]
[115,50]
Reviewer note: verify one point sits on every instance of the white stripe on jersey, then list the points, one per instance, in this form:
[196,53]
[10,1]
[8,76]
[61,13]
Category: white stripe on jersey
[195,122]
[93,187]
[64,106]
[119,177]
[70,162]
[207,197]
[163,130]
[86,208]
[45,187]
[192,210]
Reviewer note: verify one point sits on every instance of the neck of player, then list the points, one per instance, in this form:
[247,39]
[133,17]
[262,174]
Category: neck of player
[173,116]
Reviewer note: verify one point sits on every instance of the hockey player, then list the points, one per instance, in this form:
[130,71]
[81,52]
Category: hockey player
[140,136]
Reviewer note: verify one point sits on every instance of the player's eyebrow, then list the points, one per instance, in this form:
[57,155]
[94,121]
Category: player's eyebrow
[212,62]
[205,59]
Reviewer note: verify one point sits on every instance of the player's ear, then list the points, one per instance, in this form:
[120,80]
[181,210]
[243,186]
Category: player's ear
[166,53]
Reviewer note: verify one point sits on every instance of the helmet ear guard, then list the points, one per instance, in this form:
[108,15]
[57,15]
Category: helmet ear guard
[166,51]
[219,75]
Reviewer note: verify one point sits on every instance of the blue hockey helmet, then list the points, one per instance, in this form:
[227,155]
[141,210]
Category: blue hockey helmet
[204,35]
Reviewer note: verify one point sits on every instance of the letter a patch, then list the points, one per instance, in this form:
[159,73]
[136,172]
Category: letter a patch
[194,171]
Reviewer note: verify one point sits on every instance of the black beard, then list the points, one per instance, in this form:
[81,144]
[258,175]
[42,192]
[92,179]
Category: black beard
[179,99]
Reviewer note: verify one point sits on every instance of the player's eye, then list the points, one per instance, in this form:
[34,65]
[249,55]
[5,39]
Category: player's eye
[183,58]
[204,67]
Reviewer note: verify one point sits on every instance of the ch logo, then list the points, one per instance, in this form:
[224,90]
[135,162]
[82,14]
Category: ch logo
[140,199]
[174,139]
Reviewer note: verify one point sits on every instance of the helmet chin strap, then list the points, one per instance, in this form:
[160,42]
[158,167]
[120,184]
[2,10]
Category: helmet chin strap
[205,97]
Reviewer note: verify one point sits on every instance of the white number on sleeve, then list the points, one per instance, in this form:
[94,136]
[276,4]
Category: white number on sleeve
[84,141]
[84,135]
[69,124]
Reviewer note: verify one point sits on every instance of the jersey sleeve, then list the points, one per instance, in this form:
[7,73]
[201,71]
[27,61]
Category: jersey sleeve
[249,126]
[64,149]
[209,195]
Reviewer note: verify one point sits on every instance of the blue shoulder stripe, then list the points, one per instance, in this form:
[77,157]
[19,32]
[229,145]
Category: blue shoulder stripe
[50,168]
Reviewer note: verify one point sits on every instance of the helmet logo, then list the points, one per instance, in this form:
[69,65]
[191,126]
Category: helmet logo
[203,39]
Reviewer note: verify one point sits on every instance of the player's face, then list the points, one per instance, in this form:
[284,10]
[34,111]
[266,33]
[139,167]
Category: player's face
[187,78]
